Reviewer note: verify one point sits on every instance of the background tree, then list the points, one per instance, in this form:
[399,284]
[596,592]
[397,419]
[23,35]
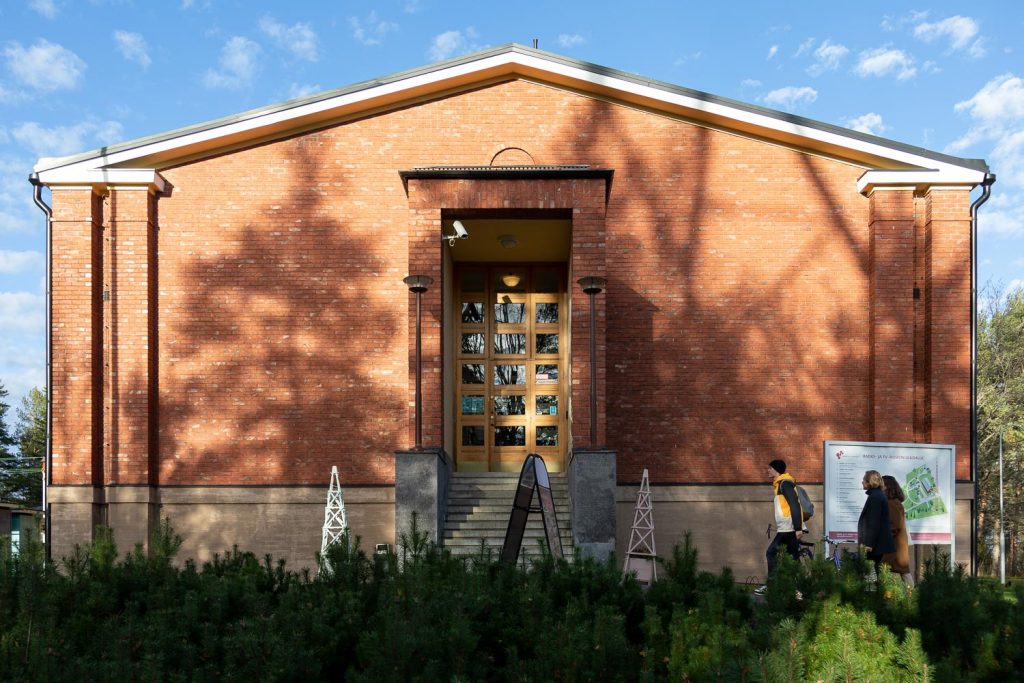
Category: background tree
[21,479]
[1001,411]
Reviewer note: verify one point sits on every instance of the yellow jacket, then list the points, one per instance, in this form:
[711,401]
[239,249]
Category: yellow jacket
[788,516]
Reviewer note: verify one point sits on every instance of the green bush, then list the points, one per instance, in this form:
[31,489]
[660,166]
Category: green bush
[424,615]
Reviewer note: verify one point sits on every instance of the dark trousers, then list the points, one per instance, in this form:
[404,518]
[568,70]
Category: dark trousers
[783,538]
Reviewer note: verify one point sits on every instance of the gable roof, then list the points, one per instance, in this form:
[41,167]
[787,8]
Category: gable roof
[137,162]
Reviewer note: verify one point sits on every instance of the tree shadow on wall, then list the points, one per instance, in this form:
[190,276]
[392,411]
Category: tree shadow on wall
[739,279]
[283,335]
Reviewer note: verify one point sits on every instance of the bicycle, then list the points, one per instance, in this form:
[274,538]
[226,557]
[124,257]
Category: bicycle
[833,554]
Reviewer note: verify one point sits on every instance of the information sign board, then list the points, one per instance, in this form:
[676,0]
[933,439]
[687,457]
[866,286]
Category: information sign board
[926,473]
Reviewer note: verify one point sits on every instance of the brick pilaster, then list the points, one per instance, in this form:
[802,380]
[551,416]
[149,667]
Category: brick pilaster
[948,292]
[892,314]
[77,337]
[129,324]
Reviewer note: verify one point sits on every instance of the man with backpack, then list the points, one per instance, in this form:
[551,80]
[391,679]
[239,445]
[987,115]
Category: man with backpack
[789,516]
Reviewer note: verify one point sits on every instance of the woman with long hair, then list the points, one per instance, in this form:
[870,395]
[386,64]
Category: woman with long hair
[898,561]
[874,530]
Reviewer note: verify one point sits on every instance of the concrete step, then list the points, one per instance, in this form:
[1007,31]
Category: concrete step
[501,475]
[500,517]
[501,483]
[496,536]
[507,492]
[492,522]
[454,544]
[483,506]
[479,505]
[475,499]
[527,552]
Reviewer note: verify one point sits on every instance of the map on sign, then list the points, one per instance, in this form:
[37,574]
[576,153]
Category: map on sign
[923,496]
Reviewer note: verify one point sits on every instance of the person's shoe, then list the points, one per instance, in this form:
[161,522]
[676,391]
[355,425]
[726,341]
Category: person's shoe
[761,590]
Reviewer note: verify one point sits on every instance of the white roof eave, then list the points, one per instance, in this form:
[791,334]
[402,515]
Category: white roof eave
[66,171]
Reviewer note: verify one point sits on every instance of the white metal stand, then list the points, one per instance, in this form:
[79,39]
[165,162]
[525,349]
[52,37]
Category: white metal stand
[335,521]
[641,558]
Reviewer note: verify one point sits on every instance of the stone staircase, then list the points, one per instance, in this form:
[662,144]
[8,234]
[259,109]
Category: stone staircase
[479,505]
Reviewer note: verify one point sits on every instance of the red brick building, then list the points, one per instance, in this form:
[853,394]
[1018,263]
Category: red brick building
[229,317]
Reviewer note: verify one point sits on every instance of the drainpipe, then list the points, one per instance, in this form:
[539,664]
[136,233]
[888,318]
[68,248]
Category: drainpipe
[986,192]
[37,197]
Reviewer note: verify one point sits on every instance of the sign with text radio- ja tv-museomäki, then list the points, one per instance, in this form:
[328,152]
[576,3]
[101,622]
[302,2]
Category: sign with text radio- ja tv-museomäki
[925,472]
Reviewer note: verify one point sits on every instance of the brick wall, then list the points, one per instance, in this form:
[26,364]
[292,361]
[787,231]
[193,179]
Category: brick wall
[741,323]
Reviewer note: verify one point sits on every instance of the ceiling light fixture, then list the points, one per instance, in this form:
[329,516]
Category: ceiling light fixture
[508,241]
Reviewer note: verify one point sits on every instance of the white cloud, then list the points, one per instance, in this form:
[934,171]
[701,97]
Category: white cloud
[22,344]
[64,140]
[14,262]
[412,6]
[45,66]
[371,30]
[885,61]
[451,43]
[805,47]
[960,31]
[1001,100]
[22,312]
[570,40]
[870,123]
[17,212]
[790,97]
[692,57]
[132,47]
[997,111]
[44,7]
[891,23]
[22,363]
[239,61]
[8,96]
[827,58]
[772,51]
[301,90]
[300,39]
[1012,286]
[1008,158]
[750,83]
[185,4]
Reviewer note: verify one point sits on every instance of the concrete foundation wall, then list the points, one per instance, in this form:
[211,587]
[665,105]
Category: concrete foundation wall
[285,522]
[728,524]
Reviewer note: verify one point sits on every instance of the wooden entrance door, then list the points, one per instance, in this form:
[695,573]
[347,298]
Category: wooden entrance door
[511,351]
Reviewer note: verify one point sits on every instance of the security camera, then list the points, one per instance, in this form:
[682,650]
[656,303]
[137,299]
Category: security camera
[460,233]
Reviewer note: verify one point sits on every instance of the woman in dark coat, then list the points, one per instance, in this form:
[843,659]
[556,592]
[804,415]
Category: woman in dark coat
[874,528]
[898,561]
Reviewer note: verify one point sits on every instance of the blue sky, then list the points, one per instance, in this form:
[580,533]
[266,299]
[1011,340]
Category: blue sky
[78,74]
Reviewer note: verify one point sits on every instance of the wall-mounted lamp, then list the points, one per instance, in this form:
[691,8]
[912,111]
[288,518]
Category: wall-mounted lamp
[592,286]
[417,285]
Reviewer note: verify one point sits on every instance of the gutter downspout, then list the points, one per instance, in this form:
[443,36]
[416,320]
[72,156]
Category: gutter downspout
[986,192]
[37,197]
